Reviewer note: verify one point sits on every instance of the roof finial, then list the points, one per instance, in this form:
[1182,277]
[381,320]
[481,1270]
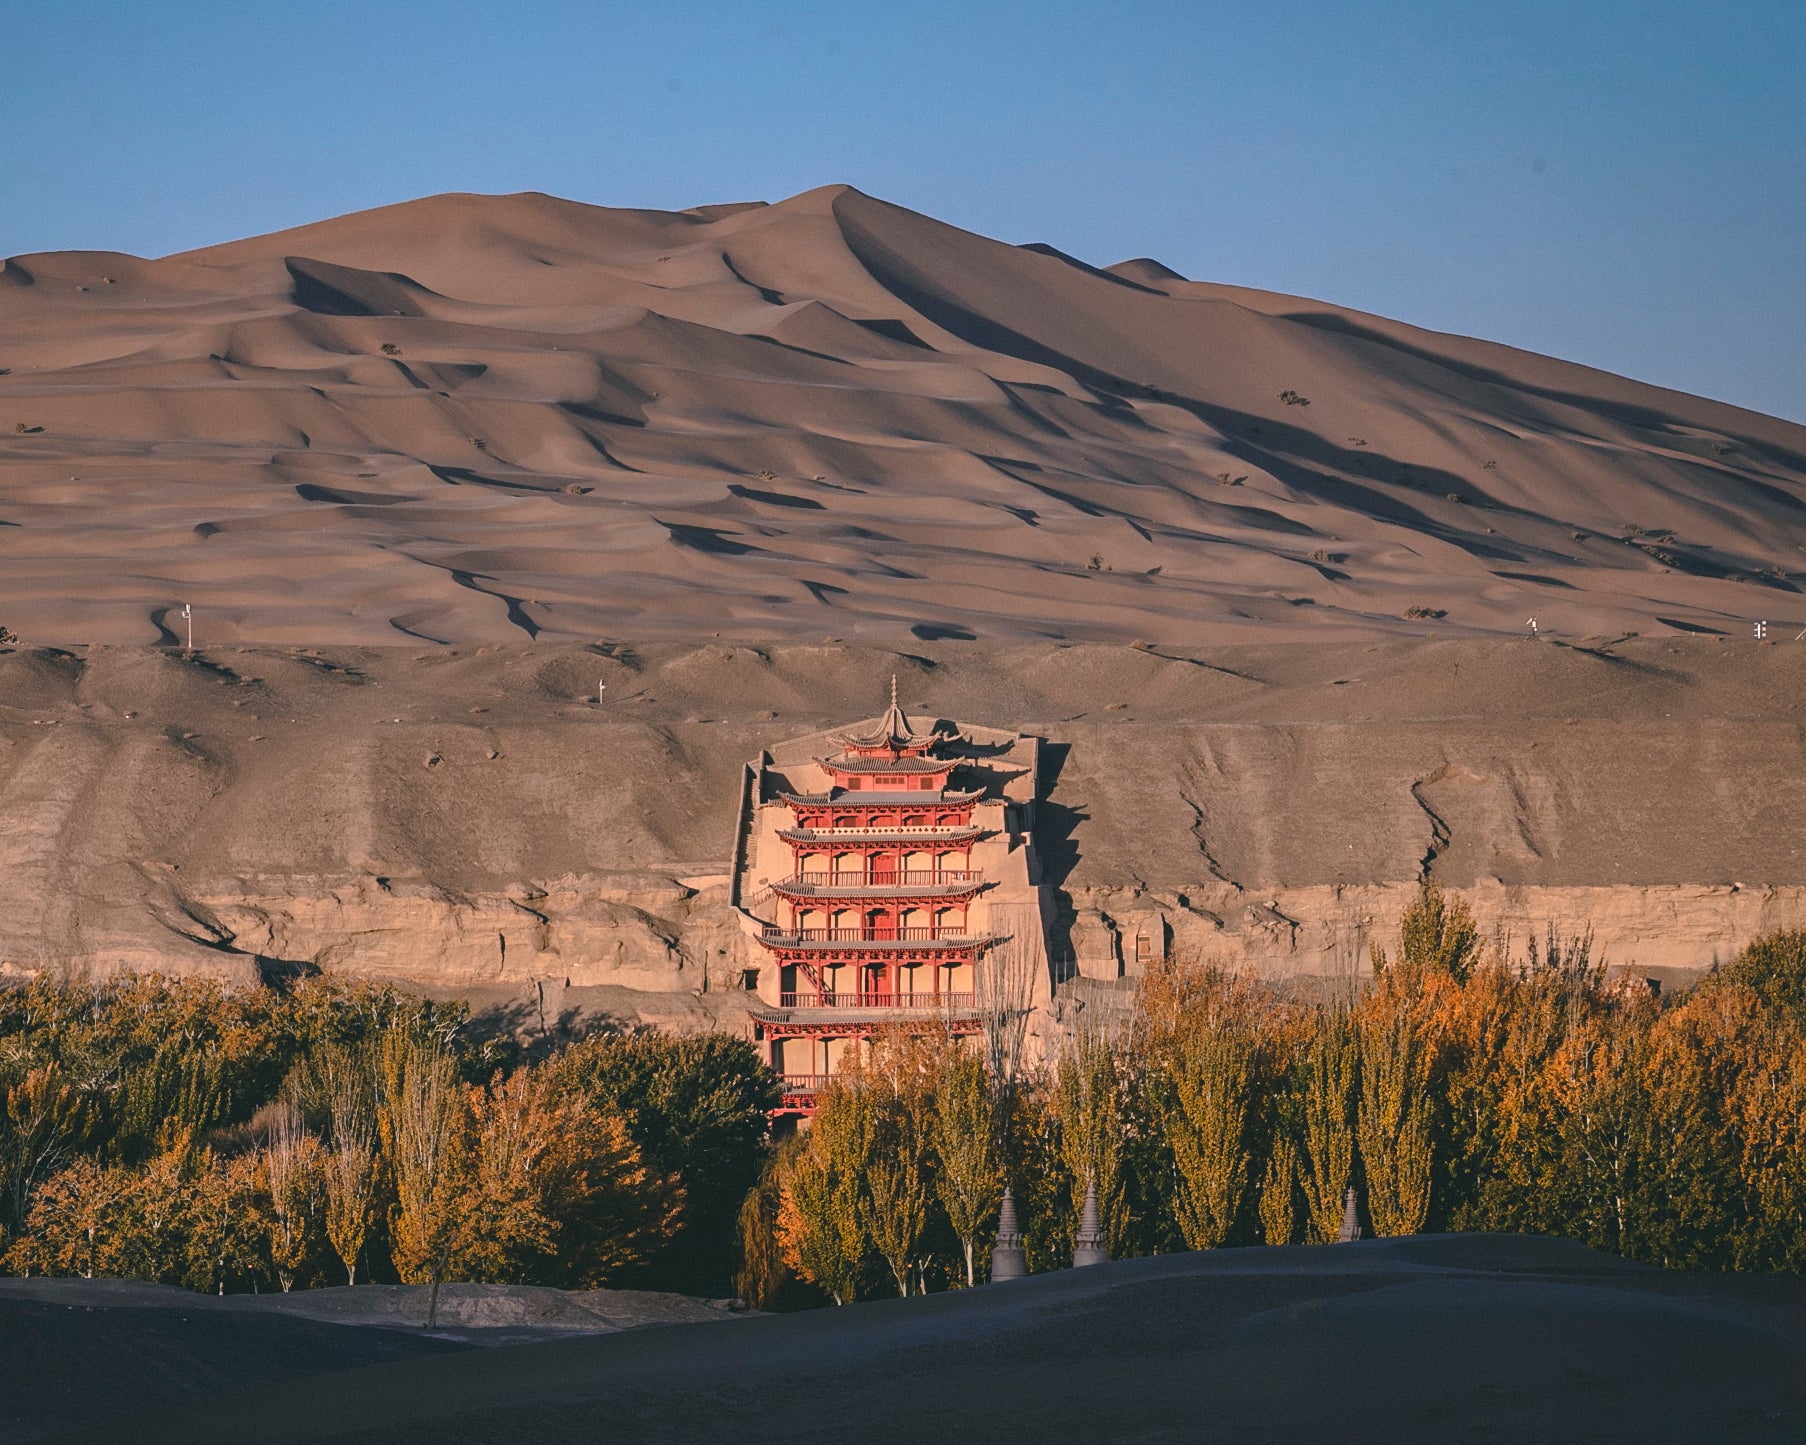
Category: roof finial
[893,689]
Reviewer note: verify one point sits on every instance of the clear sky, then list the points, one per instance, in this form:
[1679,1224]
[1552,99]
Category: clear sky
[1615,182]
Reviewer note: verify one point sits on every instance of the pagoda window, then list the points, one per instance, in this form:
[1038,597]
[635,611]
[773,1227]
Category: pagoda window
[919,863]
[793,1056]
[838,1055]
[848,866]
[956,978]
[841,820]
[948,820]
[915,820]
[917,918]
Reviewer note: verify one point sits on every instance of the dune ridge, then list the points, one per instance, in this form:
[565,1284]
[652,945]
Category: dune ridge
[479,419]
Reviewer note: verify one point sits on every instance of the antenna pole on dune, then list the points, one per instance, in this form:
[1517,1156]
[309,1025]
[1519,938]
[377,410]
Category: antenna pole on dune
[188,616]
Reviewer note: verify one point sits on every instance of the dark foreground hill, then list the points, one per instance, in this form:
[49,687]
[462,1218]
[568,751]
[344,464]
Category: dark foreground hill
[1431,1339]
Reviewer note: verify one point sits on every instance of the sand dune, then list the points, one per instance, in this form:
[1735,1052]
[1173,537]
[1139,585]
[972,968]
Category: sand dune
[479,419]
[1454,1337]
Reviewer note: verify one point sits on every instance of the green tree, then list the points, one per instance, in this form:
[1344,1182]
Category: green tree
[698,1108]
[969,1176]
[820,1223]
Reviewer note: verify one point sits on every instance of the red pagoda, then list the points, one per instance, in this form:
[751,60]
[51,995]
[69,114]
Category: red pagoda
[875,925]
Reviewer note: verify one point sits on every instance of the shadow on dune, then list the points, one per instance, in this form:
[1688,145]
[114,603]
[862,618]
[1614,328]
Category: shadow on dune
[1432,1339]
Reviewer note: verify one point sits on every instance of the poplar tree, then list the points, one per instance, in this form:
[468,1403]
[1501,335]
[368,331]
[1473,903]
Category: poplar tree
[1327,1107]
[969,1176]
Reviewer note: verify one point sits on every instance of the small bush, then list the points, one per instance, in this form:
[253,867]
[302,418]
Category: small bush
[1292,398]
[391,349]
[1426,614]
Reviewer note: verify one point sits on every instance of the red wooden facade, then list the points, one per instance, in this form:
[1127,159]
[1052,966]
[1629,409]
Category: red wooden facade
[875,922]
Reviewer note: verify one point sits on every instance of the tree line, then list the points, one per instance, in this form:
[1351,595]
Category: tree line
[330,1133]
[228,1140]
[1468,1085]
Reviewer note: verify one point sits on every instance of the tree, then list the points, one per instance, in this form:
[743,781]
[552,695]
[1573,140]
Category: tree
[969,1176]
[1773,967]
[1437,934]
[421,1121]
[819,1213]
[295,1176]
[1086,1102]
[43,1124]
[698,1108]
[1399,1053]
[1331,1081]
[74,1224]
[761,1272]
[896,1187]
[1278,1192]
[224,1221]
[1207,1122]
[349,1171]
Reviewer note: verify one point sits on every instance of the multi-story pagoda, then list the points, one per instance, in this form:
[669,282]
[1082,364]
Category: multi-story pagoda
[875,869]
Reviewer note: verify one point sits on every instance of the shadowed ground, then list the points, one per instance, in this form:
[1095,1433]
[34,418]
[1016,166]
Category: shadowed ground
[1452,1338]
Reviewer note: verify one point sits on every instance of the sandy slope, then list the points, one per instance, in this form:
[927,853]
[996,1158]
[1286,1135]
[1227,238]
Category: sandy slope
[1433,1339]
[475,419]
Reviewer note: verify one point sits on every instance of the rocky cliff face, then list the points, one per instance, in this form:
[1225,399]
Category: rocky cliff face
[511,821]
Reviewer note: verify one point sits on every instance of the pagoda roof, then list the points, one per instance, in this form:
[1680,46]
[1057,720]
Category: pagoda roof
[853,763]
[895,732]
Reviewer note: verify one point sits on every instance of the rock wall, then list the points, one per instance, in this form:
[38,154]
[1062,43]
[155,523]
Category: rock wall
[473,820]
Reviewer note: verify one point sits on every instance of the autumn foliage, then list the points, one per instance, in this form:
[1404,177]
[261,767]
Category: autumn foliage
[238,1139]
[1469,1084]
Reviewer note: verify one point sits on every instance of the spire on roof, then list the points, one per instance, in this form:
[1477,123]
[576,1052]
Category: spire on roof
[894,730]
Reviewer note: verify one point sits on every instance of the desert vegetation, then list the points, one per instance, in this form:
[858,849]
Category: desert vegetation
[230,1140]
[225,1140]
[1469,1085]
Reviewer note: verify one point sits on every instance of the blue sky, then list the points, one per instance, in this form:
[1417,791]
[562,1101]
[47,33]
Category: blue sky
[1621,184]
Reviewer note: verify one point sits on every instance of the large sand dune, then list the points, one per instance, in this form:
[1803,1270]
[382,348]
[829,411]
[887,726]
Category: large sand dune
[482,419]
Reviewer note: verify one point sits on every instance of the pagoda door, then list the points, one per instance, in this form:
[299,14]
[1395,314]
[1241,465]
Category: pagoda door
[884,869]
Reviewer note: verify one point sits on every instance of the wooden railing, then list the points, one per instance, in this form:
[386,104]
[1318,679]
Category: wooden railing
[911,830]
[895,878]
[803,1083]
[848,999]
[880,934]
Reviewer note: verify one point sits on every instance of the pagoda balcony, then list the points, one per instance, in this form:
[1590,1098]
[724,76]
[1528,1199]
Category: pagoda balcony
[872,937]
[901,880]
[803,1083]
[872,798]
[846,999]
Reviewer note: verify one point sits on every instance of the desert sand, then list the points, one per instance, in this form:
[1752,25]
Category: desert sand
[1454,1337]
[485,419]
